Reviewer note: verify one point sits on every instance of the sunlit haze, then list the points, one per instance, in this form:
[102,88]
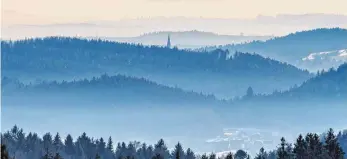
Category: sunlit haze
[20,18]
[62,11]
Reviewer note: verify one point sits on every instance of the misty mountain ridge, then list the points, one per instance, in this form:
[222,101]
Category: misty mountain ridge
[117,89]
[186,39]
[221,73]
[296,46]
[326,85]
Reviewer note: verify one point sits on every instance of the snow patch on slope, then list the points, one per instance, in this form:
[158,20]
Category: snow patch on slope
[323,60]
[337,55]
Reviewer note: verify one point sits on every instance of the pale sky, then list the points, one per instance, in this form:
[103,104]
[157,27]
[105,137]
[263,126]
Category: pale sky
[63,11]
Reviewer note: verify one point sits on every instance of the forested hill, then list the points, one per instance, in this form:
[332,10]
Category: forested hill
[71,58]
[116,89]
[324,94]
[331,84]
[326,84]
[295,46]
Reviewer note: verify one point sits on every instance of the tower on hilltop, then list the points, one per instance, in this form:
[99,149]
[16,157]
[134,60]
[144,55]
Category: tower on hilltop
[168,44]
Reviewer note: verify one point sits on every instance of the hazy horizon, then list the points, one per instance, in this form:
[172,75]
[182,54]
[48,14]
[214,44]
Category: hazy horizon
[279,25]
[123,18]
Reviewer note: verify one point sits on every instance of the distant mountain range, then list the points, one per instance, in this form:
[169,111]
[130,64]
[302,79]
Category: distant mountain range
[218,72]
[278,25]
[186,39]
[297,46]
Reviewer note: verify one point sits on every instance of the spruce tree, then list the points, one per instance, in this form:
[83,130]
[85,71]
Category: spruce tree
[110,144]
[250,92]
[300,148]
[161,148]
[157,156]
[204,156]
[177,155]
[281,152]
[4,153]
[57,142]
[240,154]
[212,156]
[47,155]
[47,142]
[69,145]
[178,152]
[101,146]
[318,151]
[334,151]
[190,154]
[262,154]
[229,156]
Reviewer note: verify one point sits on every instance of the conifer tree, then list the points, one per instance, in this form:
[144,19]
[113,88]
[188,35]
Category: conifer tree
[212,156]
[119,150]
[240,154]
[177,155]
[4,153]
[110,144]
[250,92]
[160,148]
[316,147]
[300,148]
[204,156]
[229,156]
[47,142]
[178,152]
[281,152]
[47,155]
[57,142]
[101,146]
[190,154]
[332,146]
[157,156]
[69,145]
[262,154]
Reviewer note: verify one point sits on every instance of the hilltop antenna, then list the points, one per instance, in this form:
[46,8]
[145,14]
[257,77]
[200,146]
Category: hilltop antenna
[168,44]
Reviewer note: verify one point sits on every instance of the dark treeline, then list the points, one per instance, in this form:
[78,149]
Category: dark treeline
[17,145]
[311,146]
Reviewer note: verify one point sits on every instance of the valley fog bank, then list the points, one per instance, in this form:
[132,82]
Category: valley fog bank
[191,127]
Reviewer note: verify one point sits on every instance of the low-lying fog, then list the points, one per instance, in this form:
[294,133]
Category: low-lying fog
[203,129]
